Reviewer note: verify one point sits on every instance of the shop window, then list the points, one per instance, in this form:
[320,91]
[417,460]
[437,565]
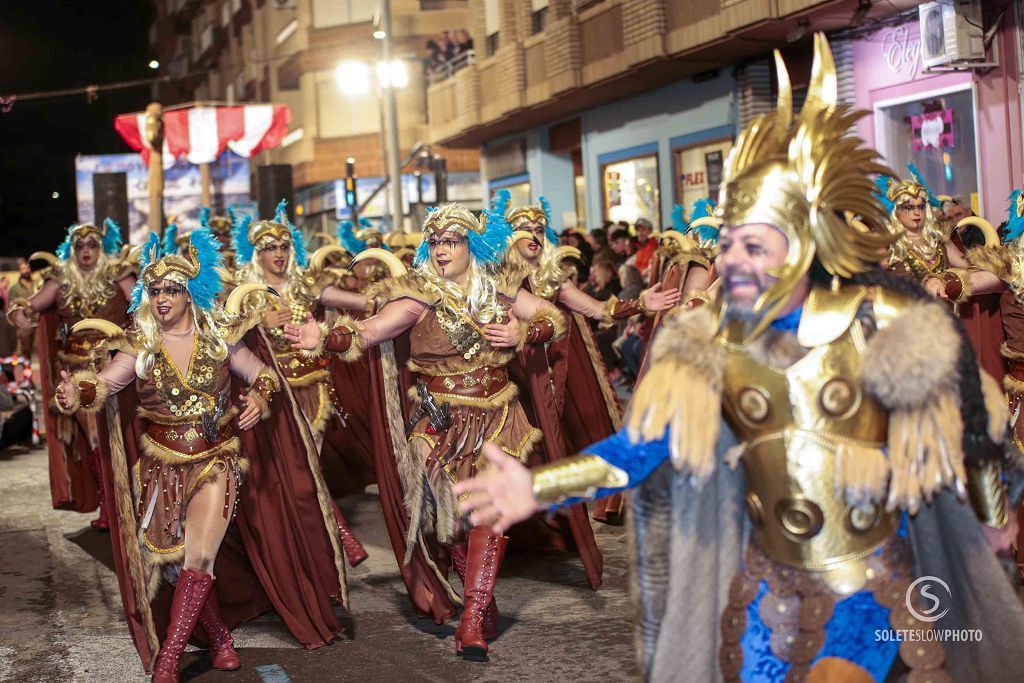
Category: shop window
[699,171]
[935,133]
[630,190]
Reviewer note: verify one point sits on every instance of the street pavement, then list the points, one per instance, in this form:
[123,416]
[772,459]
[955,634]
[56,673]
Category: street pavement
[61,617]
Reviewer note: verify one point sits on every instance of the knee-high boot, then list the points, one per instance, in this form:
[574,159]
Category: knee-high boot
[222,647]
[490,627]
[483,561]
[190,597]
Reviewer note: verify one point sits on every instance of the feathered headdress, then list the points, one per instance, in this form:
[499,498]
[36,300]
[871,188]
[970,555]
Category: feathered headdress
[892,192]
[539,213]
[487,236]
[169,245]
[198,264]
[679,218]
[347,238]
[248,236]
[109,236]
[800,174]
[703,222]
[1015,216]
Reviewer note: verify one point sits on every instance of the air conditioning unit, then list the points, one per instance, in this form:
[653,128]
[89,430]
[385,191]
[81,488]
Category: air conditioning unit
[951,32]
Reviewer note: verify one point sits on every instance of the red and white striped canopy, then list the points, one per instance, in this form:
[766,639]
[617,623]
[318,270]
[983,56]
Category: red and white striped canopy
[201,134]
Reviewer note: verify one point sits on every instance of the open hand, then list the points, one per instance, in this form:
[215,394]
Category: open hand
[936,287]
[503,335]
[252,409]
[501,495]
[656,300]
[305,336]
[66,392]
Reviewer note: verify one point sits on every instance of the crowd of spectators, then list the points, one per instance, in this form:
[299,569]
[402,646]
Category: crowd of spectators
[444,49]
[615,262]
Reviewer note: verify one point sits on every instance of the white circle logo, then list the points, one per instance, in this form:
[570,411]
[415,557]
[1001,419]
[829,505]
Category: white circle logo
[932,613]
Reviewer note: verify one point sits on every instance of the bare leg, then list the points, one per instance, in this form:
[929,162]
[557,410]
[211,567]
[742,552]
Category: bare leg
[206,522]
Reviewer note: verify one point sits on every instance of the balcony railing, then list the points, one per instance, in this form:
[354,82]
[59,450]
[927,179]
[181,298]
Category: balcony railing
[446,70]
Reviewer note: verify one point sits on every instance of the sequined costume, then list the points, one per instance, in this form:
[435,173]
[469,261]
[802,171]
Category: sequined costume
[67,296]
[304,289]
[781,463]
[169,430]
[460,398]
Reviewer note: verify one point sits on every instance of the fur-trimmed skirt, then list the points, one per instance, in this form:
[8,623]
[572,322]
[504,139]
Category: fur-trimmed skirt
[163,492]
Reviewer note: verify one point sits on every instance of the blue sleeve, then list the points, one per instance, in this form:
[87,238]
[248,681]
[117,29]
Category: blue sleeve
[636,460]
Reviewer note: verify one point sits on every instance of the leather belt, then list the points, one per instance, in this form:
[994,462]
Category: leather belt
[187,437]
[481,382]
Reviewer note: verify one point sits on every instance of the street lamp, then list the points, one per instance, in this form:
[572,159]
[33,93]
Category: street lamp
[353,79]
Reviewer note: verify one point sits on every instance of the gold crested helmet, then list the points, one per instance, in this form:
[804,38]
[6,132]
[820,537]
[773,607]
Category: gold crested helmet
[803,174]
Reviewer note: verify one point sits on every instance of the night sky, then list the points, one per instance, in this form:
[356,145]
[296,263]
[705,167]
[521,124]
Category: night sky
[48,45]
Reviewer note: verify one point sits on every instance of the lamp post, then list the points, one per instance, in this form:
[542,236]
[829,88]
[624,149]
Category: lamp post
[391,118]
[354,80]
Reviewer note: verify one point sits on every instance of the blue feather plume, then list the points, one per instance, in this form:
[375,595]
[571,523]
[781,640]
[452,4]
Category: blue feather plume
[490,245]
[112,239]
[550,233]
[206,286]
[882,183]
[298,245]
[64,248]
[204,217]
[347,238]
[702,208]
[170,241]
[150,253]
[422,255]
[281,213]
[920,179]
[1014,223]
[240,238]
[679,218]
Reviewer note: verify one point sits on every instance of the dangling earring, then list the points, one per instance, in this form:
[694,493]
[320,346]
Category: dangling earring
[835,283]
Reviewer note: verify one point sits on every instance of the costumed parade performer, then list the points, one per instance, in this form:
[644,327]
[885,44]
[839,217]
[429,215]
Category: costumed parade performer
[88,278]
[175,468]
[459,323]
[925,251]
[584,401]
[273,252]
[800,454]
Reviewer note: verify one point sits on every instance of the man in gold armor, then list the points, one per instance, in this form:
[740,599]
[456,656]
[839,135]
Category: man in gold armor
[802,455]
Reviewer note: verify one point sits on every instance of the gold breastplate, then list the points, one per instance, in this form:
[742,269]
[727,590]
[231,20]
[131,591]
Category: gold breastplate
[799,425]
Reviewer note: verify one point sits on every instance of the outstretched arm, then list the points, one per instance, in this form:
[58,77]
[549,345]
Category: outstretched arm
[507,492]
[349,336]
[40,301]
[650,300]
[338,298]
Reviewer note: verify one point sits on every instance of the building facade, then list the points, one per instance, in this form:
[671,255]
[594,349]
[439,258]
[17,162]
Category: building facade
[287,52]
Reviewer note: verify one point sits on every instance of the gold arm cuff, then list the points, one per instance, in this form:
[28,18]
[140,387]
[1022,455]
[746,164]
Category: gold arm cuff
[576,477]
[609,311]
[20,304]
[988,498]
[964,276]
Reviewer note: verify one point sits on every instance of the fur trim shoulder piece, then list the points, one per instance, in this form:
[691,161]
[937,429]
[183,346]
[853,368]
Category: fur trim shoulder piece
[914,376]
[510,278]
[409,286]
[682,392]
[995,259]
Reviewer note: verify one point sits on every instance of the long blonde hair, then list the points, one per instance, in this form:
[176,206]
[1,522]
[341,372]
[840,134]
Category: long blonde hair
[152,334]
[932,235]
[82,291]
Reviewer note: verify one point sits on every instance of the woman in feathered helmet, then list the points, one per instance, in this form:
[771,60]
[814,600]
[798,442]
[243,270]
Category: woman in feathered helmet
[273,252]
[88,278]
[592,411]
[922,249]
[464,320]
[176,364]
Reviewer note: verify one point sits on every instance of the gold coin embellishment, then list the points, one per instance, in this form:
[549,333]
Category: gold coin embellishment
[175,391]
[839,398]
[864,518]
[753,404]
[799,517]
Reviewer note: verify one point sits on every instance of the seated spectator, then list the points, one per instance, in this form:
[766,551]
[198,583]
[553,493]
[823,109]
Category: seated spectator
[621,245]
[632,283]
[603,283]
[646,245]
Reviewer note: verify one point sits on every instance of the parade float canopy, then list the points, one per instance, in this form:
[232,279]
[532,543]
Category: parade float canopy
[201,133]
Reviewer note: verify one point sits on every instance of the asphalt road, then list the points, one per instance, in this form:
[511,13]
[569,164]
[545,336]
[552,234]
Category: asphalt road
[61,620]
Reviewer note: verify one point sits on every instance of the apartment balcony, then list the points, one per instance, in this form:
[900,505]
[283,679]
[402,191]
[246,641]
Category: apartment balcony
[592,52]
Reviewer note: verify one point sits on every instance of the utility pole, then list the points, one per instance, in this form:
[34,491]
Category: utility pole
[391,122]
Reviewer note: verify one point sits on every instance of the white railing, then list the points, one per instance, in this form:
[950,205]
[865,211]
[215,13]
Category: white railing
[447,69]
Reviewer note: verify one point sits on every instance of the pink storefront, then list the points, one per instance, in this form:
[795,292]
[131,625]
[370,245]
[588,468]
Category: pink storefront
[963,130]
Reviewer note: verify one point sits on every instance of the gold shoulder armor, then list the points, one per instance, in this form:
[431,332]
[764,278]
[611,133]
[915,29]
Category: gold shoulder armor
[828,314]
